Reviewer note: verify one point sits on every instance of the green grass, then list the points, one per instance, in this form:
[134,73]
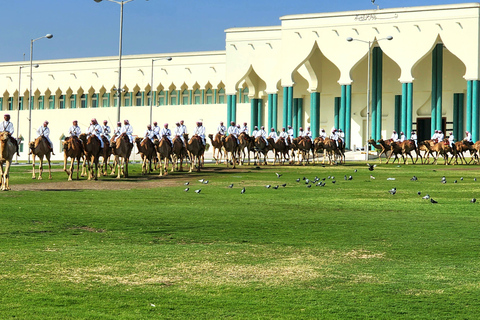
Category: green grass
[348,250]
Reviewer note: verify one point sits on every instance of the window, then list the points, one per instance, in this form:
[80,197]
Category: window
[73,101]
[185,95]
[138,99]
[197,97]
[173,98]
[20,103]
[245,92]
[221,95]
[94,100]
[105,99]
[161,98]
[51,102]
[209,96]
[10,103]
[83,101]
[115,99]
[127,101]
[41,102]
[149,97]
[61,102]
[1,103]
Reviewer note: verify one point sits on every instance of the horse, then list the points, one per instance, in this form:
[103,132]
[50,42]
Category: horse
[122,148]
[73,149]
[261,147]
[304,144]
[92,149]
[245,142]
[147,153]
[195,150]
[179,152]
[280,149]
[41,148]
[217,145]
[383,148]
[7,151]
[164,152]
[106,153]
[231,146]
[331,150]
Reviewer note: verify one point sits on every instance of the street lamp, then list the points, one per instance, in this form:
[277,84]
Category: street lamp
[18,108]
[30,102]
[119,89]
[350,39]
[151,85]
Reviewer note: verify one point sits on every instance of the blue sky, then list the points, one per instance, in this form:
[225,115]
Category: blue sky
[84,28]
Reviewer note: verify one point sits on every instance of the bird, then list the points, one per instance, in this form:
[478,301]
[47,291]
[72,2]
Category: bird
[187,183]
[419,193]
[454,181]
[309,185]
[355,170]
[350,177]
[231,186]
[201,180]
[298,180]
[328,177]
[198,191]
[186,190]
[473,200]
[278,175]
[426,197]
[371,166]
[323,179]
[284,185]
[474,179]
[345,177]
[304,178]
[205,182]
[414,178]
[276,187]
[268,186]
[433,201]
[444,181]
[333,181]
[243,190]
[372,177]
[443,178]
[319,184]
[333,178]
[307,181]
[393,191]
[461,179]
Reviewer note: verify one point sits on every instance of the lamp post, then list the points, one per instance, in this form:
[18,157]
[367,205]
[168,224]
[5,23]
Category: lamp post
[151,86]
[119,89]
[30,102]
[18,108]
[350,39]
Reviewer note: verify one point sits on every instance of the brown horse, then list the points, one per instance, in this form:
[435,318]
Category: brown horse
[304,145]
[217,145]
[230,145]
[164,152]
[41,148]
[393,148]
[260,147]
[195,150]
[92,149]
[7,151]
[280,149]
[245,142]
[106,153]
[73,149]
[122,148]
[382,148]
[441,148]
[407,147]
[459,148]
[178,153]
[331,151]
[147,153]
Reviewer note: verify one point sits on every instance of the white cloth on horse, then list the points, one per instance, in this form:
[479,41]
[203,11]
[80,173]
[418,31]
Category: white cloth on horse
[106,132]
[263,134]
[283,135]
[96,130]
[128,130]
[200,131]
[75,131]
[149,134]
[165,132]
[179,132]
[45,131]
[156,131]
[7,126]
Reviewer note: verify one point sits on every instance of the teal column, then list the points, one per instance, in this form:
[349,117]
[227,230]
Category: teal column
[179,98]
[379,84]
[260,112]
[403,126]
[341,116]
[295,119]
[475,113]
[234,108]
[240,96]
[438,109]
[409,110]
[74,101]
[300,113]
[153,96]
[215,94]
[348,117]
[434,92]
[275,111]
[285,107]
[229,109]
[203,96]
[315,113]
[190,96]
[336,119]
[398,114]
[374,96]
[468,117]
[143,98]
[253,113]
[167,99]
[270,110]
[290,104]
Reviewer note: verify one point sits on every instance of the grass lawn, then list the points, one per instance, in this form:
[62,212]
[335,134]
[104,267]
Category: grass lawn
[348,250]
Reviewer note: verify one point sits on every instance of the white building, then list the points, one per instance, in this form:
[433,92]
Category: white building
[303,72]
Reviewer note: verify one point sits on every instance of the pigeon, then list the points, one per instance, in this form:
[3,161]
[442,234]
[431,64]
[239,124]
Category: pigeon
[328,177]
[393,191]
[345,177]
[298,180]
[333,181]
[372,177]
[278,175]
[198,191]
[243,190]
[276,187]
[444,181]
[231,186]
[371,166]
[350,177]
[454,181]
[267,186]
[426,197]
[461,179]
[414,178]
[309,185]
[323,179]
[186,190]
[419,193]
[187,183]
[205,182]
[333,177]
[201,180]
[355,171]
[304,178]
[319,184]
[433,201]
[284,185]
[473,200]
[307,181]
[474,179]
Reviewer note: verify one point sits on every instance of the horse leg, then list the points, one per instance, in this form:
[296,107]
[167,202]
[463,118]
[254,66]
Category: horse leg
[6,177]
[33,167]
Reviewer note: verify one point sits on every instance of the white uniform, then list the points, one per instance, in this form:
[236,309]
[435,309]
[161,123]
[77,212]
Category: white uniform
[402,137]
[254,132]
[301,133]
[96,130]
[6,126]
[117,131]
[341,135]
[468,137]
[394,137]
[308,134]
[128,130]
[262,133]
[273,135]
[166,132]
[244,129]
[74,131]
[323,134]
[441,136]
[156,131]
[149,135]
[435,136]
[45,131]
[221,129]
[283,135]
[106,131]
[183,130]
[233,130]
[178,132]
[200,131]
[451,140]
[413,137]
[290,133]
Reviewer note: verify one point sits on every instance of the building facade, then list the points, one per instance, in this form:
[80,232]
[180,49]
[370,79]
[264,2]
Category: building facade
[302,73]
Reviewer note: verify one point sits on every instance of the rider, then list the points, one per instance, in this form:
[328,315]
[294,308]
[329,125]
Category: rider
[323,134]
[75,130]
[166,132]
[95,130]
[290,132]
[106,130]
[221,129]
[178,132]
[451,140]
[7,126]
[334,136]
[283,135]
[200,131]
[308,134]
[273,134]
[127,129]
[413,136]
[394,136]
[468,137]
[156,130]
[233,130]
[244,129]
[149,133]
[262,133]
[44,131]
[402,136]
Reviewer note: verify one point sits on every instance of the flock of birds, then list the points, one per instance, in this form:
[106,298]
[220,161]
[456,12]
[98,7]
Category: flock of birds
[322,183]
